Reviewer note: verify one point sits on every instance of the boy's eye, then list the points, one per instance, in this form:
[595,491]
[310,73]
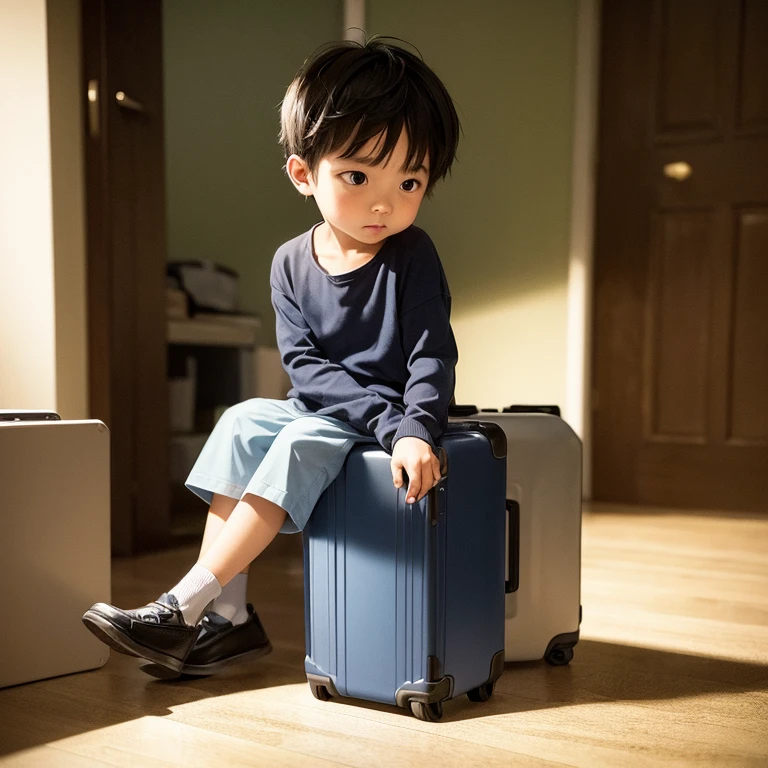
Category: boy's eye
[355,178]
[410,185]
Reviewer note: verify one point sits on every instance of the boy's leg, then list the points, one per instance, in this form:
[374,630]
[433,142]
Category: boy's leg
[218,514]
[232,603]
[252,525]
[159,631]
[231,546]
[236,533]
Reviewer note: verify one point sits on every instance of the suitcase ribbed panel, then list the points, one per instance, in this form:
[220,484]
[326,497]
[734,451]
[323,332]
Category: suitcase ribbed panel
[322,572]
[411,603]
[474,556]
[383,606]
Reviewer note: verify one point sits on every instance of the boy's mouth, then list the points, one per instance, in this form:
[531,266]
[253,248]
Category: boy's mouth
[376,227]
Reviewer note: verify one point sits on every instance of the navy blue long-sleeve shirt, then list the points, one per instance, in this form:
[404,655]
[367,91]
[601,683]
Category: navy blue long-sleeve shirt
[372,347]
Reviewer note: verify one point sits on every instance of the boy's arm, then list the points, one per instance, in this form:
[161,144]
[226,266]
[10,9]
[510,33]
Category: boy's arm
[327,384]
[429,343]
[432,355]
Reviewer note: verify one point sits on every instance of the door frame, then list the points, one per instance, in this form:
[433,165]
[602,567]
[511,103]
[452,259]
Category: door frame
[580,302]
[127,358]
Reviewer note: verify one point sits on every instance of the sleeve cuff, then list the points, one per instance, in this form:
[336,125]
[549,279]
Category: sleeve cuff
[410,427]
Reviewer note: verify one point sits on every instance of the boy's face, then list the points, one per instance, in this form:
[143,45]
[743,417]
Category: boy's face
[362,203]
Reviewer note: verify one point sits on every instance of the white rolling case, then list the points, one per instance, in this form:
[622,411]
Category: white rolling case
[544,472]
[54,543]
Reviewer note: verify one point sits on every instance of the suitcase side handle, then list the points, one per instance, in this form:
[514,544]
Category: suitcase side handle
[552,410]
[513,558]
[6,415]
[442,457]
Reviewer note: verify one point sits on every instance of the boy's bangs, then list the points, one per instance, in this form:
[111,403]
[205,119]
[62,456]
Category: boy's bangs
[386,134]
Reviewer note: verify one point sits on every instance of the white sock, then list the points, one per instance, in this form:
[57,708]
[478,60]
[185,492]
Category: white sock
[195,591]
[231,602]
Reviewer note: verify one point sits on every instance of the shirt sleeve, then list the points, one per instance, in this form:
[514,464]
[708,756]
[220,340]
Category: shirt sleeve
[326,384]
[431,353]
[432,356]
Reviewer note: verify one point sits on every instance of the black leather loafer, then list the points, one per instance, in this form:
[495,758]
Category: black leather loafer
[221,644]
[156,632]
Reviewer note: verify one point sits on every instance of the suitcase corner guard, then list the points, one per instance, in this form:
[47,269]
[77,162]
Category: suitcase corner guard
[321,681]
[560,649]
[497,666]
[426,693]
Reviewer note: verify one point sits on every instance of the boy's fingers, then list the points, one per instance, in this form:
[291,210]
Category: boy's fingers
[397,475]
[414,486]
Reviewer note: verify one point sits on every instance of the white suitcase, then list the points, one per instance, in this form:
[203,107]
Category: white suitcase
[54,543]
[544,473]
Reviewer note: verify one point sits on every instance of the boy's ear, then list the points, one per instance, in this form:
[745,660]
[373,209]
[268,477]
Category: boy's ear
[298,173]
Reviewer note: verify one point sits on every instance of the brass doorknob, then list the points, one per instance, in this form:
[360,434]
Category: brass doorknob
[126,102]
[678,171]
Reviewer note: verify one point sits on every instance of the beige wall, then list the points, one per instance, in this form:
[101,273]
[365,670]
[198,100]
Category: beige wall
[42,253]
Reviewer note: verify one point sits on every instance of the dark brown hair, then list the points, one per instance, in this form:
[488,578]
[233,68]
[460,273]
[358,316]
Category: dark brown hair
[348,93]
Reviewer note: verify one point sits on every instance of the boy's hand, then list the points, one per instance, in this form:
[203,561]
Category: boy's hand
[422,466]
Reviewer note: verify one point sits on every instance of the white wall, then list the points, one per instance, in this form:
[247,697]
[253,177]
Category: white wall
[27,322]
[42,287]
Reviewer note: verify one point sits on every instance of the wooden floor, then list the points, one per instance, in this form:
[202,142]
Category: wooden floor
[672,670]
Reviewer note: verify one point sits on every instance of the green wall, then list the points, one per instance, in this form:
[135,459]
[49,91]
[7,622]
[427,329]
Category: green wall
[501,221]
[227,65]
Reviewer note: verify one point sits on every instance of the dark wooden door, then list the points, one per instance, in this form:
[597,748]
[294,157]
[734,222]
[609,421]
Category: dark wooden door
[681,272]
[122,53]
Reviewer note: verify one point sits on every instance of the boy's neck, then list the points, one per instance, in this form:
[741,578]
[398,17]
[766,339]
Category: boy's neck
[337,253]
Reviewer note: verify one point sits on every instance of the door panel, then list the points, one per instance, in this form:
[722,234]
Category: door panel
[688,54]
[752,106]
[681,263]
[678,344]
[749,371]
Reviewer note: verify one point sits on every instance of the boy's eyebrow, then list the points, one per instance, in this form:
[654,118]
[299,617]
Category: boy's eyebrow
[371,164]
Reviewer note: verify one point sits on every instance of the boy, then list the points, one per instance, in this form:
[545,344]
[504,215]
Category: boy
[362,309]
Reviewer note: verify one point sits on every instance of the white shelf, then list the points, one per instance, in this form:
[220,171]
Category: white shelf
[210,333]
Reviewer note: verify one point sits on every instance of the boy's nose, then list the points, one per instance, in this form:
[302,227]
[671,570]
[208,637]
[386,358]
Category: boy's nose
[381,206]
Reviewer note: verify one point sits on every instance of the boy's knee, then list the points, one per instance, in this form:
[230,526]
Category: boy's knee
[251,409]
[306,426]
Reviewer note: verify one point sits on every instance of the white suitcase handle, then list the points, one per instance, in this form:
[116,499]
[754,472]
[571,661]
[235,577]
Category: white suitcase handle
[513,557]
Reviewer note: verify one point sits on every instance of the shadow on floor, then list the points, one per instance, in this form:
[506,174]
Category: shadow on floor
[605,672]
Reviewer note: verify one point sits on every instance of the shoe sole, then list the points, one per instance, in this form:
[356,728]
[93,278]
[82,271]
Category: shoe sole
[117,640]
[203,670]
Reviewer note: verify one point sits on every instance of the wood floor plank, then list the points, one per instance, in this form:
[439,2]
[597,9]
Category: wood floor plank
[672,670]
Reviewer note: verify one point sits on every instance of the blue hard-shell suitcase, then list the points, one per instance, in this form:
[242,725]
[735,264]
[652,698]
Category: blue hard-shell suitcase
[404,604]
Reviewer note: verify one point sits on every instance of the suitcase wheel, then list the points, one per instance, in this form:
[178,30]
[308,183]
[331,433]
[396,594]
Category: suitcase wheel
[559,657]
[481,693]
[429,713]
[320,692]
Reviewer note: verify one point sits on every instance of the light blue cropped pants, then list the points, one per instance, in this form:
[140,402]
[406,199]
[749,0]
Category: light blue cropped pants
[275,449]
